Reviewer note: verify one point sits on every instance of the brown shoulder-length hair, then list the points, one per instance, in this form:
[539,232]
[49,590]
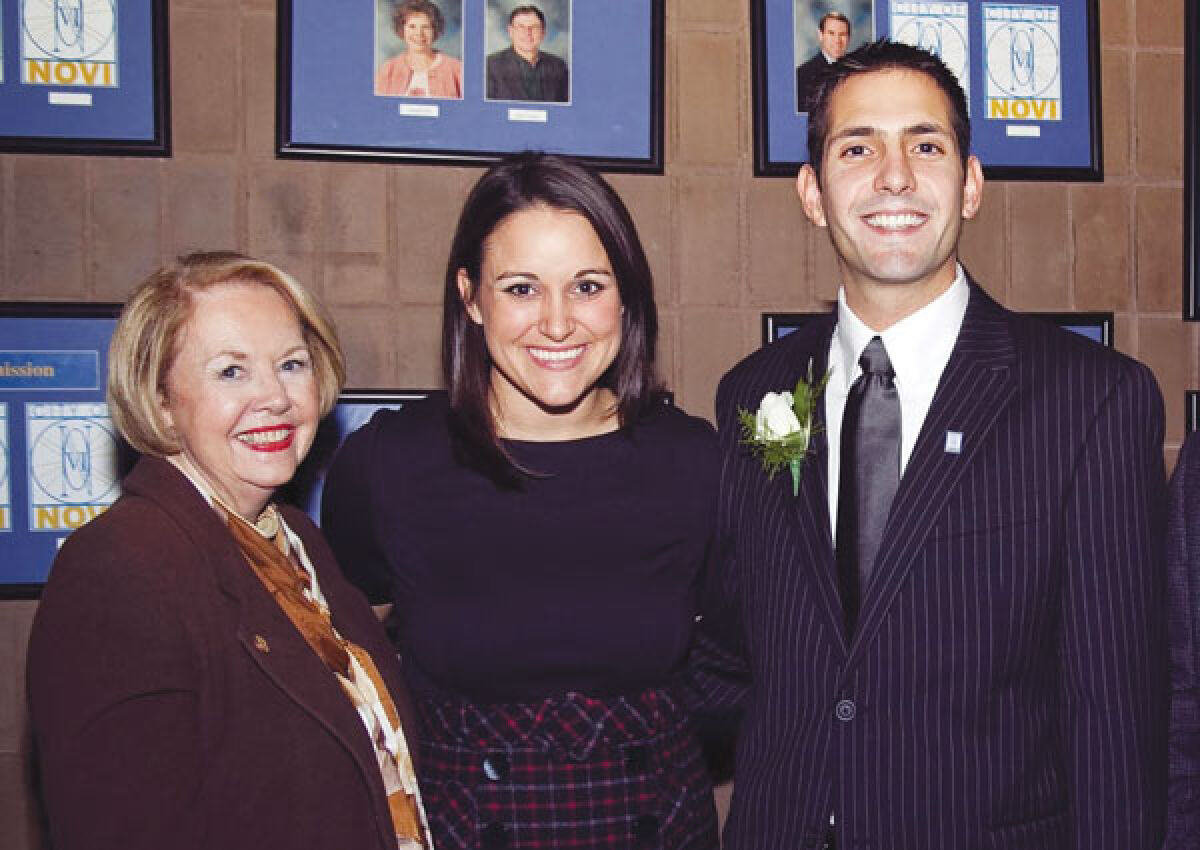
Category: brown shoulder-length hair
[518,183]
[146,340]
[407,8]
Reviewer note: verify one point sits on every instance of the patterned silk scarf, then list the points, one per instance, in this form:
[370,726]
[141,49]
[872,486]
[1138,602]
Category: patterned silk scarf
[291,587]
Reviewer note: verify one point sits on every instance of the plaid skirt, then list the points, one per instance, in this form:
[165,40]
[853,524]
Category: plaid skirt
[571,772]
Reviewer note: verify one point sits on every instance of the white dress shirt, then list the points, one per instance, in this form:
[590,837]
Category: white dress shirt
[919,347]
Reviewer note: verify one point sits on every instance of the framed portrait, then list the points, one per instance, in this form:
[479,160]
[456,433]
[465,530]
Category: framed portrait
[1097,327]
[353,410]
[60,458]
[1030,70]
[84,77]
[776,326]
[468,81]
[1191,167]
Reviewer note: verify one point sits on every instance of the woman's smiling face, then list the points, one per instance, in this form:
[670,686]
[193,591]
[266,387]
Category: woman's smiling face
[550,310]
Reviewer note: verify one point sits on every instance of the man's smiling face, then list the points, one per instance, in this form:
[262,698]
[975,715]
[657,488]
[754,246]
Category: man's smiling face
[893,191]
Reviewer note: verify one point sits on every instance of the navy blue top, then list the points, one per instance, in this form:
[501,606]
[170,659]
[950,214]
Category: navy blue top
[585,580]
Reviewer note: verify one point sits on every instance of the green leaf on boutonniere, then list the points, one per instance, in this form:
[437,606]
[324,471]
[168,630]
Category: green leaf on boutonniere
[780,432]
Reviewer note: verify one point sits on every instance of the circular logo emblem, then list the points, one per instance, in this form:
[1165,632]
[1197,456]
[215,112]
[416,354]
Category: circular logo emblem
[74,461]
[70,30]
[1022,60]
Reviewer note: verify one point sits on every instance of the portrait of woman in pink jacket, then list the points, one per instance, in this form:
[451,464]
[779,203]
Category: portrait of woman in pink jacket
[420,70]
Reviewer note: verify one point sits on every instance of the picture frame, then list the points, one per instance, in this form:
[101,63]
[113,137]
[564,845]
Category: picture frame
[1032,73]
[1191,166]
[87,77]
[1097,327]
[354,408]
[61,460]
[335,98]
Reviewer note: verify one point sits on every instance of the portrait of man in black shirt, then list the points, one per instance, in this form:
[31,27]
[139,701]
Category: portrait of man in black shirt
[523,71]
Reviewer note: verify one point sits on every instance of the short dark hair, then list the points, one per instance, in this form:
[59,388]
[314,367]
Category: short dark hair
[527,10]
[407,8]
[517,183]
[833,16]
[885,55]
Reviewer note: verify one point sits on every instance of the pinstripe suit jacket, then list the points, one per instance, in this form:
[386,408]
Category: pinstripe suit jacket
[1183,593]
[1006,684]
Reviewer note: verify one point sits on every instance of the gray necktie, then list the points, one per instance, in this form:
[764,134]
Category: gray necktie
[870,473]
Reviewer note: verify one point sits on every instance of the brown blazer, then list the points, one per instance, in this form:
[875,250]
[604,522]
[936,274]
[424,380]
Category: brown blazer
[175,705]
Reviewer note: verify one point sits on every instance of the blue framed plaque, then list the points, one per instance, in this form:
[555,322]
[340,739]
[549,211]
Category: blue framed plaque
[61,460]
[606,106]
[1191,167]
[84,77]
[1031,72]
[353,410]
[1098,327]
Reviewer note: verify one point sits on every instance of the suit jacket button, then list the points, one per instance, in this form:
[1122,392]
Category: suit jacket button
[645,827]
[496,767]
[260,643]
[845,710]
[637,759]
[494,836]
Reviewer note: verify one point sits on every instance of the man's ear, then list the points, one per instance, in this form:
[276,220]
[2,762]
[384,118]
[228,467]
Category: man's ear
[972,188]
[810,195]
[464,292]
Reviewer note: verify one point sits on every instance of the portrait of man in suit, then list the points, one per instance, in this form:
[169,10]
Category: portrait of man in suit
[523,71]
[948,632]
[833,34]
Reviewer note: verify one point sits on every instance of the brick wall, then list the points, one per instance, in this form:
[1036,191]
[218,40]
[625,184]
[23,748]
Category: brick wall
[371,240]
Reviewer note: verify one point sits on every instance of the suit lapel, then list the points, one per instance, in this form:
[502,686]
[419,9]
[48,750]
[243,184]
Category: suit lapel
[976,387]
[808,510]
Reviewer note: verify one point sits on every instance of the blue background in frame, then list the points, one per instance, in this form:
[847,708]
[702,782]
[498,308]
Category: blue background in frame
[1063,144]
[125,112]
[332,101]
[353,410]
[25,556]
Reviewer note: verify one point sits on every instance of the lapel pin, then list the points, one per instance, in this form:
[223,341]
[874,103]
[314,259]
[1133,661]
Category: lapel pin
[953,442]
[260,643]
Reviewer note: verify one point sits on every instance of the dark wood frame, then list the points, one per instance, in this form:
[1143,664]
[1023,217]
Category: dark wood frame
[304,490]
[36,311]
[652,163]
[774,323]
[766,166]
[1191,166]
[159,145]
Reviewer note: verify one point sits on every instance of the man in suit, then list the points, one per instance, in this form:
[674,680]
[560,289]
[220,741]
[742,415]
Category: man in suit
[950,634]
[523,71]
[833,32]
[1183,569]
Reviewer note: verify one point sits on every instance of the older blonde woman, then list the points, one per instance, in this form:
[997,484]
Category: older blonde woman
[200,674]
[420,71]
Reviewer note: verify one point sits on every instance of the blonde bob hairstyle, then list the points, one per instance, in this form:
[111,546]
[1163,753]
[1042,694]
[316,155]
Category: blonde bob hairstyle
[147,338]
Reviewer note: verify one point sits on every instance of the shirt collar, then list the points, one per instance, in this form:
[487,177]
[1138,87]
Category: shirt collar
[918,345]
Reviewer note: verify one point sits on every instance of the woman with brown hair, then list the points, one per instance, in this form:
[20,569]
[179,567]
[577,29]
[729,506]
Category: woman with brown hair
[540,529]
[421,70]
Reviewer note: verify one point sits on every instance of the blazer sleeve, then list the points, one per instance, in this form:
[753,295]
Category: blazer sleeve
[1183,597]
[114,684]
[347,515]
[1112,635]
[717,675]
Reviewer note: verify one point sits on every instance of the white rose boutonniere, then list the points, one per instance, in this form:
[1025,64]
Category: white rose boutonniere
[780,431]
